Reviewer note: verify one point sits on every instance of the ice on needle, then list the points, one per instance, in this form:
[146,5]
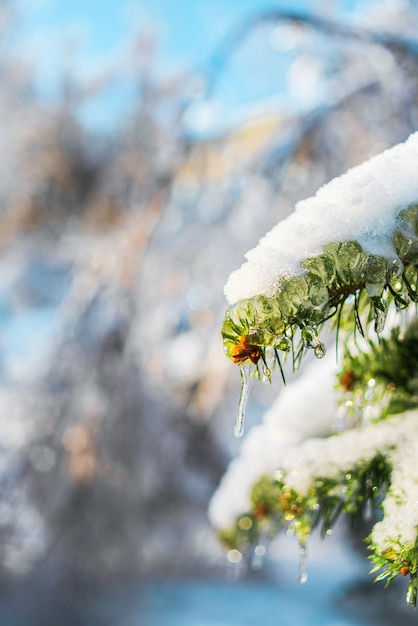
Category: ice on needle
[360,205]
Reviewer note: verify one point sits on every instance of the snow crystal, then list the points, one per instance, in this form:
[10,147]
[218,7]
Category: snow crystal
[360,205]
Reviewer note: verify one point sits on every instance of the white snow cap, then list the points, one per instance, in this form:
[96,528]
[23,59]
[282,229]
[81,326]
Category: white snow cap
[360,205]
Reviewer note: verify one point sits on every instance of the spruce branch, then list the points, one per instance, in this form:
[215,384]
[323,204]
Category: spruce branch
[353,272]
[302,304]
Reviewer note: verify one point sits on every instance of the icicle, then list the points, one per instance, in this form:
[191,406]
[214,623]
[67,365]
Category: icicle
[268,359]
[380,313]
[246,371]
[368,510]
[311,340]
[411,592]
[284,344]
[266,375]
[310,337]
[303,565]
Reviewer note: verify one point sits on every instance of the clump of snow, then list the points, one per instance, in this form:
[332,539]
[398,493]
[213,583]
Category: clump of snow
[400,507]
[304,408]
[333,456]
[360,205]
[395,438]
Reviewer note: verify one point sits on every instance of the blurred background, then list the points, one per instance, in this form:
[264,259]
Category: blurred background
[145,147]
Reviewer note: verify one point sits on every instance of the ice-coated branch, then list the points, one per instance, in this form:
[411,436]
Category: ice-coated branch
[374,380]
[356,240]
[351,253]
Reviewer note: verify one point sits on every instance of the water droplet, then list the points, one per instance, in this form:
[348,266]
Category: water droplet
[303,564]
[234,556]
[258,557]
[320,351]
[245,522]
[380,313]
[278,474]
[246,371]
[266,374]
[284,344]
[401,301]
[310,337]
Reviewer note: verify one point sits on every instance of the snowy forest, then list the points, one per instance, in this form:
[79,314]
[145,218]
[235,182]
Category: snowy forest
[118,403]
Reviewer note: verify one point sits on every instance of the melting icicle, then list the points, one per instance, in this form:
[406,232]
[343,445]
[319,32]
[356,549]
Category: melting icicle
[267,365]
[380,313]
[303,564]
[266,377]
[368,510]
[311,340]
[411,593]
[246,371]
[310,337]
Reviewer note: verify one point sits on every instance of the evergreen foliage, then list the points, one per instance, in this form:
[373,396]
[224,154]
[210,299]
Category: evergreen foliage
[362,472]
[260,327]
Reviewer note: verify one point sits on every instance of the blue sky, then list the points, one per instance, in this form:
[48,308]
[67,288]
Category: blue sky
[91,35]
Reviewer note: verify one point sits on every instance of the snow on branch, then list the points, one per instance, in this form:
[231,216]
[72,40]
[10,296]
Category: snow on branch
[320,479]
[292,418]
[361,205]
[296,472]
[349,253]
[355,241]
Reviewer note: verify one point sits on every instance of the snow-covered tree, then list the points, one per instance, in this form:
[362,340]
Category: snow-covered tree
[342,438]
